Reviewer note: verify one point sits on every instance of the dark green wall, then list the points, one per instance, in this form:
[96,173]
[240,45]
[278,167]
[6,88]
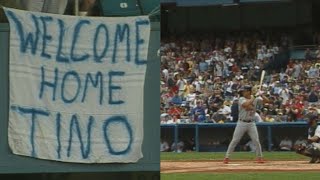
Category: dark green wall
[245,16]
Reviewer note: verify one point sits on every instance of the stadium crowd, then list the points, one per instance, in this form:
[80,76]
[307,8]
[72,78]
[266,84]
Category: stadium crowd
[200,77]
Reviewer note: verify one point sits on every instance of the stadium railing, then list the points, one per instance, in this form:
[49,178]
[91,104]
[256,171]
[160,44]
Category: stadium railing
[298,52]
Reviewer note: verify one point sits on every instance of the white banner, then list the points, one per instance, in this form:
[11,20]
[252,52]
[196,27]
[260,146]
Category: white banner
[76,86]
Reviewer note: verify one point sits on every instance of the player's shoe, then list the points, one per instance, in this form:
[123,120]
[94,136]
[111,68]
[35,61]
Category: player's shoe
[313,160]
[260,160]
[226,160]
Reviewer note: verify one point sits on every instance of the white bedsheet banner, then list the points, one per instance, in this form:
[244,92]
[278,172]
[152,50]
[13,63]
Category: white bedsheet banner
[76,86]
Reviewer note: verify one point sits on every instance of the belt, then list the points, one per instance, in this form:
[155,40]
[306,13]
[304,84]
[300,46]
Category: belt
[246,120]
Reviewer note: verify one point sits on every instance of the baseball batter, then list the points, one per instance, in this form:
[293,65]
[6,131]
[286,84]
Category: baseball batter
[247,109]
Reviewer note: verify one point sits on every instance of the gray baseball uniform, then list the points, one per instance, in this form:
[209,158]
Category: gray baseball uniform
[245,124]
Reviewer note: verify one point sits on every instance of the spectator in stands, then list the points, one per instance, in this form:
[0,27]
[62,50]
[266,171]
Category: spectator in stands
[48,6]
[284,94]
[164,118]
[181,82]
[297,70]
[189,91]
[271,109]
[87,7]
[226,110]
[198,113]
[282,116]
[289,68]
[277,87]
[256,74]
[317,53]
[313,96]
[193,103]
[218,69]
[297,109]
[176,99]
[192,95]
[171,83]
[212,108]
[282,75]
[218,83]
[90,8]
[313,71]
[312,109]
[216,98]
[203,65]
[219,117]
[235,110]
[175,112]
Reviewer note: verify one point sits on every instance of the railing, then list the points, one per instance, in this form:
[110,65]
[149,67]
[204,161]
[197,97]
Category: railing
[298,52]
[304,47]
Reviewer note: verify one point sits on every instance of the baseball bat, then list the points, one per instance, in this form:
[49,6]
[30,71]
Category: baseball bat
[261,79]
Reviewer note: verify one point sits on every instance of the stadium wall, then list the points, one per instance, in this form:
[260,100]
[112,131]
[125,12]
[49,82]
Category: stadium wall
[244,16]
[205,135]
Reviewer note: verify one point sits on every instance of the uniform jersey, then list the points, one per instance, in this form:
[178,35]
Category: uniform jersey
[246,125]
[314,131]
[248,114]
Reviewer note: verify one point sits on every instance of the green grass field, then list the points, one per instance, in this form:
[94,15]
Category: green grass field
[243,176]
[187,156]
[171,156]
